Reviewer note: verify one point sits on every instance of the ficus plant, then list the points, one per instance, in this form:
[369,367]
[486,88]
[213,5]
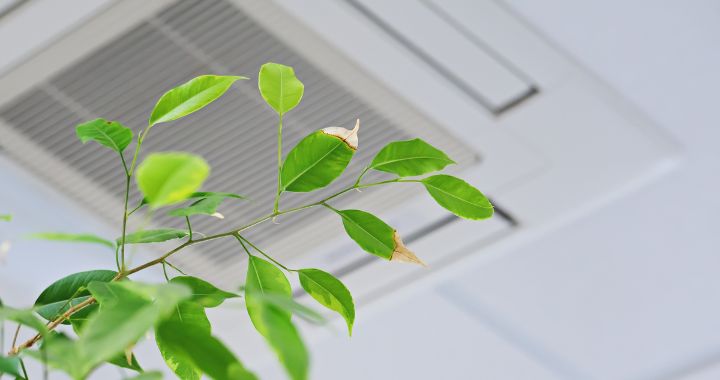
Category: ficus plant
[107,312]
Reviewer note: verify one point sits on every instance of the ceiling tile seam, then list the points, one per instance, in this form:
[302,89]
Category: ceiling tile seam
[533,350]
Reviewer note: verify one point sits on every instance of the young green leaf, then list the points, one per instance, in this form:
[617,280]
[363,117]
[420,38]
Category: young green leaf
[315,162]
[203,292]
[410,158]
[203,351]
[279,86]
[376,237]
[189,315]
[153,236]
[5,217]
[72,238]
[263,278]
[458,197]
[11,366]
[67,292]
[329,292]
[167,178]
[108,133]
[190,97]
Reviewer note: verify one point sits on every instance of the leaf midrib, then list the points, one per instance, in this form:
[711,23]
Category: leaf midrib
[342,304]
[160,118]
[117,148]
[314,164]
[456,197]
[413,158]
[367,232]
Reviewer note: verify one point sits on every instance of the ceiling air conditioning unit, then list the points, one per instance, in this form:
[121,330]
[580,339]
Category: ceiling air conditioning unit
[542,137]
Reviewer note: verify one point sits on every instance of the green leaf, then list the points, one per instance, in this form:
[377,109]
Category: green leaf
[108,133]
[458,197]
[67,292]
[72,238]
[280,87]
[205,206]
[369,232]
[167,178]
[11,366]
[127,311]
[263,278]
[288,304]
[23,317]
[189,315]
[190,97]
[410,158]
[329,292]
[203,351]
[315,162]
[285,340]
[153,236]
[151,375]
[164,297]
[6,217]
[203,292]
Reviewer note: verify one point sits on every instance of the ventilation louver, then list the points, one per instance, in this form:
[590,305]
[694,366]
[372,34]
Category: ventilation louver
[124,78]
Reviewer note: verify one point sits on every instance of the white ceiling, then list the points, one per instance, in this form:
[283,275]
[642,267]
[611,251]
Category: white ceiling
[629,292]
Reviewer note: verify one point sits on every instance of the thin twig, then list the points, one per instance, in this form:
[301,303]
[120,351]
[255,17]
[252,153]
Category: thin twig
[15,337]
[235,232]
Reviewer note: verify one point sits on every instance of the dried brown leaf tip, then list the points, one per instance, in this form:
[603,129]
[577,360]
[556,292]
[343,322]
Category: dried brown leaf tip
[349,136]
[403,254]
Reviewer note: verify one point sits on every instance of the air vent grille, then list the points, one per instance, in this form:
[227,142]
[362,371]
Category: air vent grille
[124,78]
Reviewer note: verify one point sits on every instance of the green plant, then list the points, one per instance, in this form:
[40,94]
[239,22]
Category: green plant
[109,313]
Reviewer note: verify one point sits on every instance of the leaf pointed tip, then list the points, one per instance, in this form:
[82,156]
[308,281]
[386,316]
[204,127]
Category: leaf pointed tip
[401,253]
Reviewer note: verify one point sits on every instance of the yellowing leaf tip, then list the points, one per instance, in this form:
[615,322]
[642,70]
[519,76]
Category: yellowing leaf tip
[401,253]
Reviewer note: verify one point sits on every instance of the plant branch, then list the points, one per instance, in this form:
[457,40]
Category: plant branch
[124,222]
[279,161]
[241,239]
[187,220]
[15,337]
[357,183]
[52,325]
[22,366]
[235,232]
[176,268]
